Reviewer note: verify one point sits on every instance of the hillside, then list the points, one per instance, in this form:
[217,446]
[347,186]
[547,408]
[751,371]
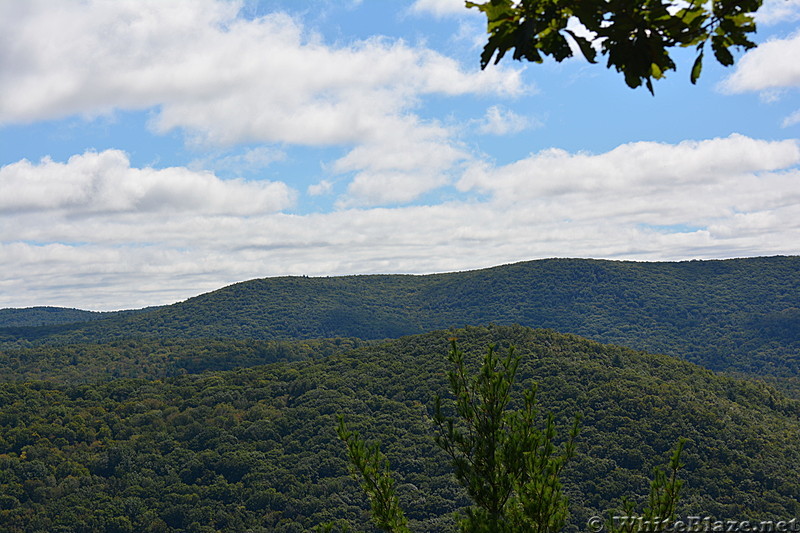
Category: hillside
[156,358]
[44,316]
[740,315]
[255,450]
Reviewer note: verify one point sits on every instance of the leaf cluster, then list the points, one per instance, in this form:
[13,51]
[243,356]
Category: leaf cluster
[636,36]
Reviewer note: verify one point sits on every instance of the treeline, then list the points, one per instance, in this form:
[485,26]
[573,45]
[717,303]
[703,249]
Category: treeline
[255,449]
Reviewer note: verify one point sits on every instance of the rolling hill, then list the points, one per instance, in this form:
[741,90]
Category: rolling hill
[45,316]
[738,315]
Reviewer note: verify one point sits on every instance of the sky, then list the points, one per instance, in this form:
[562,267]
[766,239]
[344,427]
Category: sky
[152,151]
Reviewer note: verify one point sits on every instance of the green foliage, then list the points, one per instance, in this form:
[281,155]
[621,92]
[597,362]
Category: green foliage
[507,467]
[56,316]
[156,358]
[659,515]
[253,449]
[665,491]
[371,467]
[635,35]
[506,464]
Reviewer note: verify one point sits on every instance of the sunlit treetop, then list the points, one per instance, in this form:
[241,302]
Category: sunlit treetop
[636,36]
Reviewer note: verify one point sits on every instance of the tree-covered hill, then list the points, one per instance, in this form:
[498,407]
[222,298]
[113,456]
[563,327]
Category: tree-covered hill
[44,316]
[33,317]
[255,449]
[740,315]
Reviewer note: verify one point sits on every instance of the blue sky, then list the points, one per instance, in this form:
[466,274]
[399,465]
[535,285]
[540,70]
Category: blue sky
[151,151]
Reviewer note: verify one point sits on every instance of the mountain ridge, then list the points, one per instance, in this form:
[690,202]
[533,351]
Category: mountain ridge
[737,315]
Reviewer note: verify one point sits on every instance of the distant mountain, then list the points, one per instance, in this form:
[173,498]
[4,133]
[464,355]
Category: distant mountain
[27,317]
[255,449]
[44,316]
[739,315]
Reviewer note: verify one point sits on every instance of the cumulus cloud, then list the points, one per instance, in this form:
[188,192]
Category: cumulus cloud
[222,78]
[105,183]
[630,169]
[792,119]
[405,161]
[778,11]
[321,188]
[770,66]
[501,121]
[637,189]
[714,198]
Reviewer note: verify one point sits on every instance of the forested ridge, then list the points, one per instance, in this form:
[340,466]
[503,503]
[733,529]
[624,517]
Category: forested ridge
[219,413]
[254,449]
[33,317]
[738,315]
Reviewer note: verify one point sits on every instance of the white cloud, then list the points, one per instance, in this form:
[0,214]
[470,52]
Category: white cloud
[249,160]
[442,8]
[389,187]
[83,246]
[105,183]
[792,119]
[407,160]
[501,121]
[640,185]
[772,65]
[90,57]
[778,11]
[221,78]
[224,80]
[321,188]
[327,96]
[630,169]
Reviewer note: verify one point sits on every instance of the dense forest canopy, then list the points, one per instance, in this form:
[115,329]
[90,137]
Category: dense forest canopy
[255,449]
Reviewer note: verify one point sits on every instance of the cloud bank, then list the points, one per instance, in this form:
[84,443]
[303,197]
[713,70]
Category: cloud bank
[103,240]
[104,183]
